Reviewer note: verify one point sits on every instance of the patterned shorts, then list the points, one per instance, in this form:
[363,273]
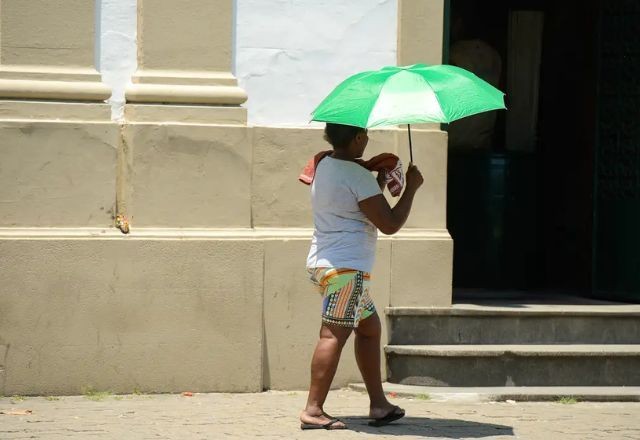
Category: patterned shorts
[345,294]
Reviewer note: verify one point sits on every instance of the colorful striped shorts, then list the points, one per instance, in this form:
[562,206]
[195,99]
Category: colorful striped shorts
[345,294]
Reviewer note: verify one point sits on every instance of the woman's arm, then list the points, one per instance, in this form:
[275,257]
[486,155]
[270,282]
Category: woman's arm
[390,220]
[380,179]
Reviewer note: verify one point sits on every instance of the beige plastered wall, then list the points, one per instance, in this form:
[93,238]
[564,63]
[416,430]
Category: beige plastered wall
[207,292]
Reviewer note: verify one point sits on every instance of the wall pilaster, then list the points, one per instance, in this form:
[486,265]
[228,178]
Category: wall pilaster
[420,31]
[422,254]
[47,51]
[185,54]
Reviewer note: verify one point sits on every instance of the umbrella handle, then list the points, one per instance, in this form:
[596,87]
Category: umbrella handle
[410,146]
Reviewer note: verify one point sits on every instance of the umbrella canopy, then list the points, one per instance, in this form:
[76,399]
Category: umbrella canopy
[408,95]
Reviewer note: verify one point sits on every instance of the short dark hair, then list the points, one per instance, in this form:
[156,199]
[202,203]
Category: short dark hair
[340,135]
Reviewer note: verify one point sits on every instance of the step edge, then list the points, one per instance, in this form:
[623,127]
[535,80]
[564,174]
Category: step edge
[503,311]
[495,350]
[522,394]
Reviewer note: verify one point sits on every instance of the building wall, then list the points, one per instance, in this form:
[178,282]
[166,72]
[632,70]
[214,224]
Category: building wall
[287,63]
[207,289]
[116,60]
[291,60]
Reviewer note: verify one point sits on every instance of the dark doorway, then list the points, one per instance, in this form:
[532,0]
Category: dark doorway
[617,182]
[521,206]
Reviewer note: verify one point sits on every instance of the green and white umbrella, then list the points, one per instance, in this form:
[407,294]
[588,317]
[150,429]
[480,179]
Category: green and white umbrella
[408,95]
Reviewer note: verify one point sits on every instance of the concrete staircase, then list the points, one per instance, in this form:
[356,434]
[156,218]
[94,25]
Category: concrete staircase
[517,345]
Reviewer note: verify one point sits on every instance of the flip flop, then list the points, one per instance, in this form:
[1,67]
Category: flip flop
[327,426]
[393,415]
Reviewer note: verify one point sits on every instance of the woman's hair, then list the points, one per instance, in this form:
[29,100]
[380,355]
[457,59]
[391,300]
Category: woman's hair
[339,135]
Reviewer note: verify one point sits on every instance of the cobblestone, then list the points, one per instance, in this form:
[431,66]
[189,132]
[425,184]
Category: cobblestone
[274,415]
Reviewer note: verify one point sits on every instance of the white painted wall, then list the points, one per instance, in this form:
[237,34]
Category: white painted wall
[291,53]
[116,47]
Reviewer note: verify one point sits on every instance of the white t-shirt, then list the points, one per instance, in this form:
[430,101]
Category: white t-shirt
[343,236]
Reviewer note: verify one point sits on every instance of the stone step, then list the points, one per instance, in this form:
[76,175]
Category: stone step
[514,365]
[562,394]
[524,324]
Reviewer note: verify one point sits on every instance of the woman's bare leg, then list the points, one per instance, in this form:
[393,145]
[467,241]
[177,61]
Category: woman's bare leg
[323,368]
[367,348]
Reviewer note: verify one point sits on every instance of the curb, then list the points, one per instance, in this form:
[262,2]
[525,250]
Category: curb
[511,394]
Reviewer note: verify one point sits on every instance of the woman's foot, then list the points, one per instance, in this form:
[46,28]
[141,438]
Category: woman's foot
[385,414]
[319,420]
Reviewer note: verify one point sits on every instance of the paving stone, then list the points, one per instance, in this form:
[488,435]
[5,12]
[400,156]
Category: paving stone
[274,415]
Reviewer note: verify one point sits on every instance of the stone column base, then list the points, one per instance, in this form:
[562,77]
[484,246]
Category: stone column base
[31,110]
[189,114]
[53,83]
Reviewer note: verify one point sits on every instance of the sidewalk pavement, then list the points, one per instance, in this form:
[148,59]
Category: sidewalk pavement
[274,415]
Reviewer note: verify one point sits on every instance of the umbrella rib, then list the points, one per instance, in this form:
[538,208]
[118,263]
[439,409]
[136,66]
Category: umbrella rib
[435,94]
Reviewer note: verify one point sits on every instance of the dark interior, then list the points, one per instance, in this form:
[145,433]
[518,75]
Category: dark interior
[557,212]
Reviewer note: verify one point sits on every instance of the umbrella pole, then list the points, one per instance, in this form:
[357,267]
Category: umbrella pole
[410,147]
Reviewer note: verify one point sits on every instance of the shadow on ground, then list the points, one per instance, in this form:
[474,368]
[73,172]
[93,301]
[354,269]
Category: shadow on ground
[426,427]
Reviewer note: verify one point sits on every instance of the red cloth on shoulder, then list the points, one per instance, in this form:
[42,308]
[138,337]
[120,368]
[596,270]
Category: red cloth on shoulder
[309,170]
[386,162]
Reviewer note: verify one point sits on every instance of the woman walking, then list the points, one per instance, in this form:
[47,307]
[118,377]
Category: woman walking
[348,209]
